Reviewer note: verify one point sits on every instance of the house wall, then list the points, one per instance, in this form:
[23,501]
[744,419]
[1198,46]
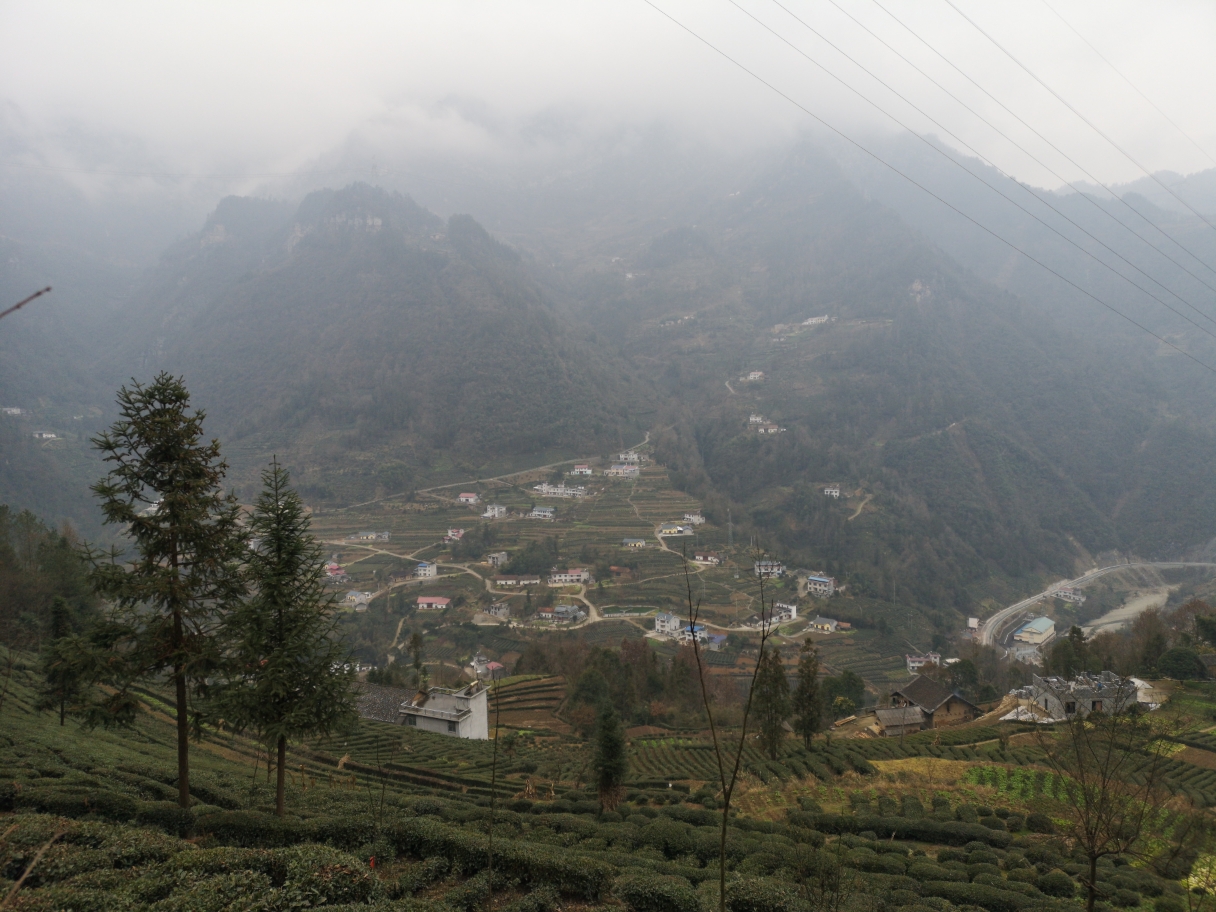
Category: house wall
[952,711]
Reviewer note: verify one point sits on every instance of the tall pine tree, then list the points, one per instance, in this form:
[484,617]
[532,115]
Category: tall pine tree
[807,702]
[772,701]
[164,489]
[289,681]
[611,762]
[62,681]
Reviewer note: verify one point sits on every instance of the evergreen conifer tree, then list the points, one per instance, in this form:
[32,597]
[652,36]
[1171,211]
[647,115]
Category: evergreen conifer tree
[289,678]
[63,680]
[164,489]
[611,761]
[772,701]
[807,702]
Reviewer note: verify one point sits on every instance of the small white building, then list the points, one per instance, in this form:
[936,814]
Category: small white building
[784,612]
[814,321]
[832,491]
[581,469]
[494,511]
[666,624]
[468,498]
[10,410]
[561,614]
[622,470]
[694,519]
[542,513]
[45,435]
[571,577]
[560,490]
[820,586]
[511,581]
[634,544]
[753,418]
[769,569]
[1070,594]
[498,559]
[973,625]
[433,602]
[630,458]
[917,662]
[689,632]
[499,610]
[672,528]
[754,376]
[462,712]
[768,428]
[710,558]
[357,599]
[426,570]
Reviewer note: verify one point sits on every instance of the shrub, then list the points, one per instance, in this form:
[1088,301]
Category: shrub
[970,894]
[912,807]
[924,871]
[966,813]
[1014,822]
[1040,823]
[1125,899]
[762,895]
[655,893]
[993,823]
[1170,903]
[317,875]
[1057,883]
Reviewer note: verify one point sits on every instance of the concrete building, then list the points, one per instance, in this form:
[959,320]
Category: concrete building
[832,491]
[1063,698]
[824,625]
[712,558]
[820,586]
[494,511]
[542,513]
[1070,594]
[784,612]
[694,519]
[433,603]
[426,571]
[462,713]
[671,528]
[769,569]
[468,497]
[689,632]
[917,662]
[621,470]
[499,610]
[1036,632]
[571,577]
[581,469]
[666,624]
[634,544]
[507,581]
[498,559]
[631,458]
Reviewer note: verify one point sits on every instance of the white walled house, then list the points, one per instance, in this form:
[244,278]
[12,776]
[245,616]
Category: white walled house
[469,498]
[494,511]
[917,662]
[832,491]
[463,713]
[784,611]
[433,602]
[769,569]
[820,586]
[426,571]
[581,469]
[542,513]
[630,458]
[498,559]
[753,418]
[666,624]
[573,576]
[622,470]
[694,519]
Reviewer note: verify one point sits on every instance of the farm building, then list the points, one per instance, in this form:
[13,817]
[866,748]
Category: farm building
[469,498]
[938,704]
[902,720]
[635,544]
[462,712]
[1063,698]
[433,602]
[581,469]
[507,580]
[622,470]
[707,557]
[671,528]
[832,491]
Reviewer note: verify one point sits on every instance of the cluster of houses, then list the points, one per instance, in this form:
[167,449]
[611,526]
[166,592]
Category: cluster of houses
[335,574]
[357,600]
[1070,594]
[560,490]
[494,511]
[921,704]
[623,470]
[670,627]
[762,425]
[561,614]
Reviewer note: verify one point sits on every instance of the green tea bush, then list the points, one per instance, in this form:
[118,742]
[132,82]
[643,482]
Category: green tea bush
[656,893]
[1057,883]
[1040,823]
[970,894]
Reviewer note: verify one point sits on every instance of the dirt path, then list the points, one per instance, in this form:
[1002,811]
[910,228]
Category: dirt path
[861,506]
[1128,611]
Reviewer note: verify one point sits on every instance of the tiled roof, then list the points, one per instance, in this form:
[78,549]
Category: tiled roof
[925,693]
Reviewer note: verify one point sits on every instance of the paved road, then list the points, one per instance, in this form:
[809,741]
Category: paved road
[990,627]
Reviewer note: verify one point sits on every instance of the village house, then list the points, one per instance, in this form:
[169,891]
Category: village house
[666,624]
[494,511]
[425,570]
[498,559]
[694,519]
[832,491]
[1070,594]
[433,602]
[462,712]
[783,612]
[820,586]
[1036,632]
[938,704]
[973,627]
[45,435]
[671,528]
[768,428]
[753,376]
[899,721]
[1063,698]
[821,624]
[468,498]
[581,469]
[634,544]
[814,321]
[631,458]
[769,569]
[10,410]
[561,614]
[499,610]
[716,642]
[542,513]
[355,599]
[454,535]
[573,576]
[621,470]
[713,558]
[753,418]
[689,632]
[622,573]
[916,662]
[560,490]
[507,581]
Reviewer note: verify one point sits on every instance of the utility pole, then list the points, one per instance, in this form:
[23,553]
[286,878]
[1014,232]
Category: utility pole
[730,528]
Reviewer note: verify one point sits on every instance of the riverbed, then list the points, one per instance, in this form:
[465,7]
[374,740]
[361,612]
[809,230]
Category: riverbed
[1128,611]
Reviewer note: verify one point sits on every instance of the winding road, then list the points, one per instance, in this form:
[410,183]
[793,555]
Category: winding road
[989,628]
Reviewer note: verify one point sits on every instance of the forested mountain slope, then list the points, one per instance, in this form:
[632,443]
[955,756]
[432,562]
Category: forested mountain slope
[374,342]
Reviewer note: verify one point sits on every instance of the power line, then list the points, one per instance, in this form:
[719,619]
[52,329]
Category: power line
[16,307]
[976,177]
[918,185]
[1085,119]
[1136,88]
[1076,164]
[1085,196]
[185,175]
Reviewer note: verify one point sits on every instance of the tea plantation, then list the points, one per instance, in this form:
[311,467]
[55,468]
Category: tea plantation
[389,818]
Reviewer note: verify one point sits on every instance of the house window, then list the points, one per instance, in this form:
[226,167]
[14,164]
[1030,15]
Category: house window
[1096,706]
[411,720]
[452,727]
[1070,708]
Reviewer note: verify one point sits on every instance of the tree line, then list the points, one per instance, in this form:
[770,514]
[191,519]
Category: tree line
[228,606]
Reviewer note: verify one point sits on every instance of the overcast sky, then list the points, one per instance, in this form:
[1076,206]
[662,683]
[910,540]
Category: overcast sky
[262,88]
